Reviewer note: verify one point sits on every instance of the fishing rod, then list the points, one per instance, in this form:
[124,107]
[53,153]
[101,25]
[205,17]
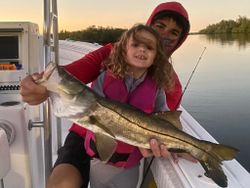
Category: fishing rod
[189,79]
[177,105]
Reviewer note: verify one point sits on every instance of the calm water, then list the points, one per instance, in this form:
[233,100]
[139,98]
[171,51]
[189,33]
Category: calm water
[218,96]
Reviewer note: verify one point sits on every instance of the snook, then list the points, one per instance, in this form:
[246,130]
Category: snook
[111,121]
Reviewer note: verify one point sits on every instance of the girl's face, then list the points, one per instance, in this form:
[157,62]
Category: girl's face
[141,55]
[169,31]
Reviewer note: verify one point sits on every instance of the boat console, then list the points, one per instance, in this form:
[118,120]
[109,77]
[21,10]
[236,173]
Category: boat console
[20,54]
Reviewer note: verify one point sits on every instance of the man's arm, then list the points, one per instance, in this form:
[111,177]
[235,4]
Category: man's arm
[174,96]
[85,69]
[88,67]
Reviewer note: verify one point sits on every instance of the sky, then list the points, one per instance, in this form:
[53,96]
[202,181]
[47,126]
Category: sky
[80,14]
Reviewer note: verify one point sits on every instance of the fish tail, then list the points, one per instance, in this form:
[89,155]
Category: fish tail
[213,159]
[223,152]
[214,171]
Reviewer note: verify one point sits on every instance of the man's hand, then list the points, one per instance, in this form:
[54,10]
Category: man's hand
[31,92]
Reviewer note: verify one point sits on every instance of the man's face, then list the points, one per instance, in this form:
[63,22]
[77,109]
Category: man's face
[169,31]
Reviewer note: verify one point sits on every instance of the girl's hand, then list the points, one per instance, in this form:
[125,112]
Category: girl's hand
[160,150]
[156,149]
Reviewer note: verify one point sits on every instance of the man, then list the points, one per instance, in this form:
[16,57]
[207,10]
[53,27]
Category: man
[170,19]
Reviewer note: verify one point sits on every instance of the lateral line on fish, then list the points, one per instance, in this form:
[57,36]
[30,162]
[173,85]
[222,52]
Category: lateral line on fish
[151,130]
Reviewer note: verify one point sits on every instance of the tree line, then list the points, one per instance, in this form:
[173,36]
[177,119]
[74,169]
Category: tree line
[102,35]
[93,34]
[241,25]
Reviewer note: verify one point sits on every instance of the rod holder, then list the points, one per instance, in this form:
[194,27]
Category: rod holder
[35,124]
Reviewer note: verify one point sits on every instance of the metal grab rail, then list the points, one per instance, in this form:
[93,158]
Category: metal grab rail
[50,20]
[54,18]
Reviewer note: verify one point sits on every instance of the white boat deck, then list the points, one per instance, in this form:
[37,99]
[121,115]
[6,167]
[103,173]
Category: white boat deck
[191,175]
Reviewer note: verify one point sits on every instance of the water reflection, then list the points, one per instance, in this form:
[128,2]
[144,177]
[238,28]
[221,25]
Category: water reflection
[241,40]
[218,96]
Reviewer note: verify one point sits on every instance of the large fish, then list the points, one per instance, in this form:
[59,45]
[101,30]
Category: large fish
[111,121]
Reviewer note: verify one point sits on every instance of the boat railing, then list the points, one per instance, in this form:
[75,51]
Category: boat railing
[50,23]
[51,53]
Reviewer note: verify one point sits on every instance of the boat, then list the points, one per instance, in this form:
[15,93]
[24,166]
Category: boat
[166,173]
[31,135]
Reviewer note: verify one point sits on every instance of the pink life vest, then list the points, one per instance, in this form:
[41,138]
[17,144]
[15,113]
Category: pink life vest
[142,97]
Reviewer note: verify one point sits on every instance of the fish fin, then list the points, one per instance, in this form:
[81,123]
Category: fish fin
[105,146]
[93,120]
[171,116]
[176,150]
[214,171]
[212,162]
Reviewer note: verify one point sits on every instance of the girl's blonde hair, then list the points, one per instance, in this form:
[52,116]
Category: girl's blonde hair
[160,71]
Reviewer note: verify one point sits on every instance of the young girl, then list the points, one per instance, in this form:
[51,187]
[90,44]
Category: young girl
[137,71]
